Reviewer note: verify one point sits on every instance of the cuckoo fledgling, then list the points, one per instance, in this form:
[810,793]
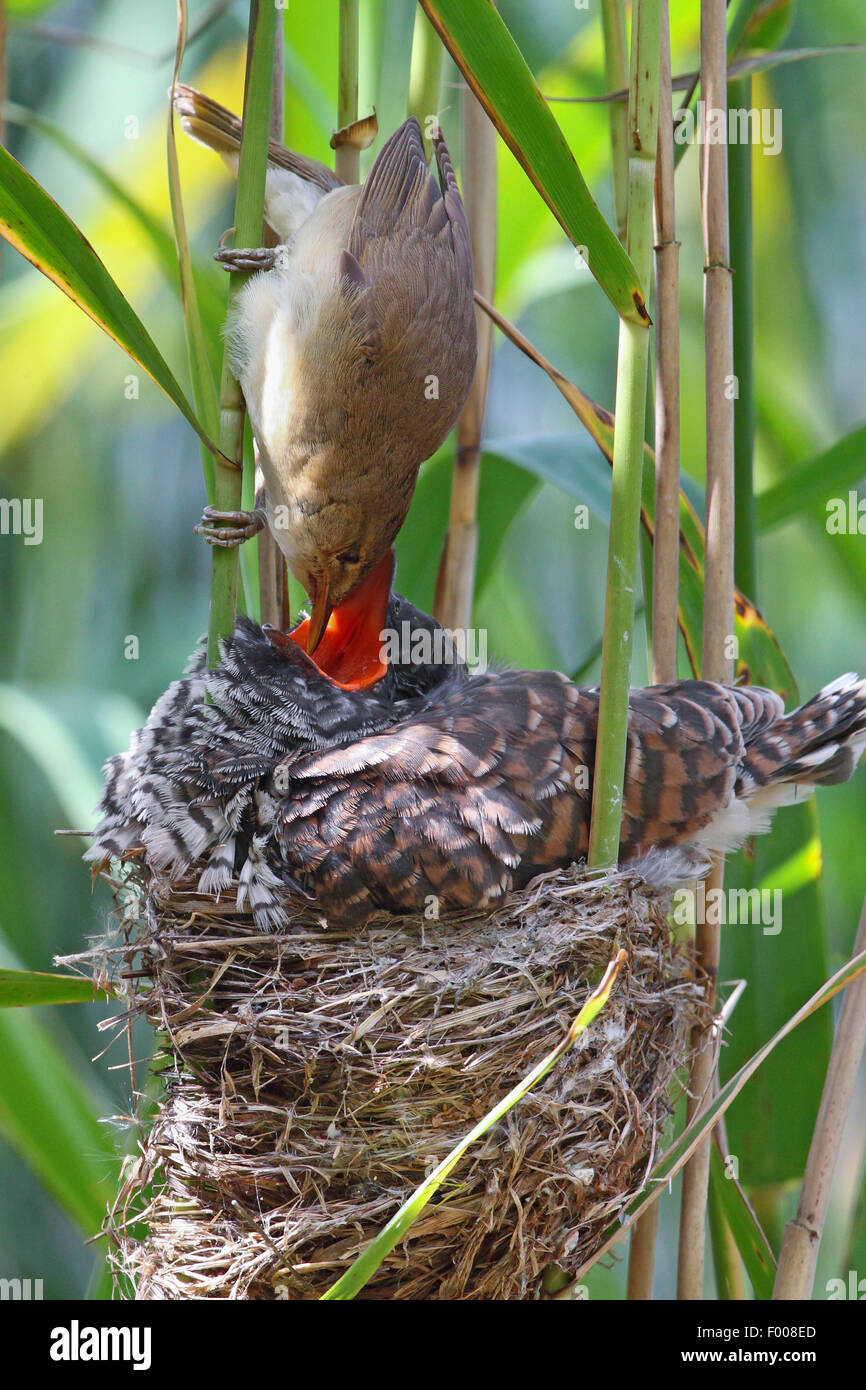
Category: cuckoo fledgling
[354,347]
[434,783]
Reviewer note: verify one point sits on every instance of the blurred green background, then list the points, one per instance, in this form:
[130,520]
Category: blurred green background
[119,474]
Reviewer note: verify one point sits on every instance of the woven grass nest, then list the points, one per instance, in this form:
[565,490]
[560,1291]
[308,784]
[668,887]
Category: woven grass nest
[313,1077]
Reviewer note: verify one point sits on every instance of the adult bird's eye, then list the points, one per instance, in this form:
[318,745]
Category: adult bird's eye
[348,557]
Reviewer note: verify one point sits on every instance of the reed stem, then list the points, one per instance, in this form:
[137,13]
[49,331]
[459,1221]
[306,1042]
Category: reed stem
[717,654]
[631,385]
[641,1256]
[456,581]
[798,1257]
[666,544]
[666,541]
[347,160]
[616,79]
[740,179]
[249,204]
[200,372]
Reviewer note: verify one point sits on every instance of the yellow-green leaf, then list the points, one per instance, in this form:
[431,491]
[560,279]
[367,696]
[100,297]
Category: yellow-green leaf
[32,222]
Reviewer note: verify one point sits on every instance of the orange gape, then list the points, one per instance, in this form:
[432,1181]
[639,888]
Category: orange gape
[350,652]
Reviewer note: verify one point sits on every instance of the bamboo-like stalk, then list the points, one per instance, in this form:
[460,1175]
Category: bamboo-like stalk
[798,1257]
[666,541]
[249,204]
[717,655]
[745,508]
[631,383]
[424,74]
[616,79]
[649,434]
[692,1236]
[740,180]
[347,160]
[456,581]
[273,591]
[616,62]
[641,1256]
[666,544]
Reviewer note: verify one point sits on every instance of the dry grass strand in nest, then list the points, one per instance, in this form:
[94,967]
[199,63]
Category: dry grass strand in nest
[314,1077]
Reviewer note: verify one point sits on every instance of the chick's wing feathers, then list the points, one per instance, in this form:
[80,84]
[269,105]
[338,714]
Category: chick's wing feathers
[441,804]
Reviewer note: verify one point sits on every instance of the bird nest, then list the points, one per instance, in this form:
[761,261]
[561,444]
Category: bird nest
[312,1078]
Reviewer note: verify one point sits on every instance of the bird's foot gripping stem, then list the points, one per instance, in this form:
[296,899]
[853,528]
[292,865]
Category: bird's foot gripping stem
[249,258]
[228,529]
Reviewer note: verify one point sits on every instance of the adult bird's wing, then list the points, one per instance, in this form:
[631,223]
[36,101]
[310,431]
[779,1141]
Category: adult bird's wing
[408,266]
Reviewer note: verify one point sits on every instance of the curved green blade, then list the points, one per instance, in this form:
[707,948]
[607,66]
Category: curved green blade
[496,70]
[50,1118]
[770,1136]
[32,222]
[23,988]
[759,24]
[810,487]
[752,1244]
[161,240]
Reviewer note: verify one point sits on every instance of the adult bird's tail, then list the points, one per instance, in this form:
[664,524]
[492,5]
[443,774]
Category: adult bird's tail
[217,128]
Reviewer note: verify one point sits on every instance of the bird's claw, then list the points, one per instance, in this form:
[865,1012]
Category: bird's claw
[228,529]
[248,259]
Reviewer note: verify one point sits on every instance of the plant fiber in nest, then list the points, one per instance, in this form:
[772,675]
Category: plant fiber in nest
[313,1077]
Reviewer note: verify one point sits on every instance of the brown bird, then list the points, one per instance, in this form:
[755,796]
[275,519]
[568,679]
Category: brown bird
[434,785]
[354,347]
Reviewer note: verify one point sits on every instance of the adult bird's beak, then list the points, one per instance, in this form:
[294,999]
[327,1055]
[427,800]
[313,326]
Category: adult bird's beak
[349,649]
[322,608]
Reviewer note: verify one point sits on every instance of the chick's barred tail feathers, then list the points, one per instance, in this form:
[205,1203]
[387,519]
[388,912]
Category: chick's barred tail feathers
[439,784]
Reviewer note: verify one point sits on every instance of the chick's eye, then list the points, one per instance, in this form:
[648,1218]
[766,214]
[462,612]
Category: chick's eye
[348,557]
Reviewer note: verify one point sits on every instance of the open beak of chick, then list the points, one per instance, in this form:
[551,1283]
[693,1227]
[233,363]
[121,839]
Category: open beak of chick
[344,639]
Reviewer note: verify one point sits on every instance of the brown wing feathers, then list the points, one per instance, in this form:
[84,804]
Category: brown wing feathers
[456,792]
[468,805]
[494,785]
[398,190]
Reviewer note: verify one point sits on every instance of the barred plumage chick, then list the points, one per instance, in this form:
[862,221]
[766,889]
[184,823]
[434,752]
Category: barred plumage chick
[434,783]
[354,346]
